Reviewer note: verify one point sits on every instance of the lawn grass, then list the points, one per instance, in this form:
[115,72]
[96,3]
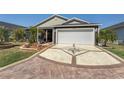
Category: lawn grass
[11,55]
[116,49]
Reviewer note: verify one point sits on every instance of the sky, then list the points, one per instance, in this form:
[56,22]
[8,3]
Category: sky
[32,19]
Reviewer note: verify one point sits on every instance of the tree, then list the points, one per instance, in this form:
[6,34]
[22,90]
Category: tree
[1,35]
[4,35]
[19,34]
[33,35]
[113,36]
[106,35]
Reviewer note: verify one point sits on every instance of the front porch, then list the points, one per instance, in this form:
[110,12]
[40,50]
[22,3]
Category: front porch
[45,35]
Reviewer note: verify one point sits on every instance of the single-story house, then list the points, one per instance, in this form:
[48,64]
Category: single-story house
[61,30]
[119,30]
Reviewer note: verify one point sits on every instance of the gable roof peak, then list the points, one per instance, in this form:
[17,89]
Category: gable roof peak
[57,15]
[78,19]
[75,19]
[50,17]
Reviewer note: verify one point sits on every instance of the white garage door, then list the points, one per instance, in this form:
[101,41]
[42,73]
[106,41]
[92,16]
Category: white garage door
[84,36]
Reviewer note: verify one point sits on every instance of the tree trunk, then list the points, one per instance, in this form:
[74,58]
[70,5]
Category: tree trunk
[105,43]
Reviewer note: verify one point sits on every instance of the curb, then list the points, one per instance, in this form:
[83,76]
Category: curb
[113,55]
[24,60]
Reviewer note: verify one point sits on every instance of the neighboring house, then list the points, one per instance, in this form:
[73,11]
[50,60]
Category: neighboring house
[119,30]
[10,26]
[61,30]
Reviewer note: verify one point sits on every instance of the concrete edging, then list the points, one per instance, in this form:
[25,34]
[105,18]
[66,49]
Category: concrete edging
[28,48]
[112,54]
[24,60]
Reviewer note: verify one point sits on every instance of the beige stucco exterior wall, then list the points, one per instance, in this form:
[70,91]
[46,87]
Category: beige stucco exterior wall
[54,21]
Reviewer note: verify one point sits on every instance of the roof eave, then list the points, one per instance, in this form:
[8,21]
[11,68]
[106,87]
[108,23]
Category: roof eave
[78,25]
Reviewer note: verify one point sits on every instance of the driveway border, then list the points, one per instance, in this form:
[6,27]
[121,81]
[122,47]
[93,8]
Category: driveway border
[112,54]
[84,66]
[24,60]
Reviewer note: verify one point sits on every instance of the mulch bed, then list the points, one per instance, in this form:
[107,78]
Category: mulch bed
[35,46]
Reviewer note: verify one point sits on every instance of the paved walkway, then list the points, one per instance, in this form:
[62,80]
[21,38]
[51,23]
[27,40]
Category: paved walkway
[37,67]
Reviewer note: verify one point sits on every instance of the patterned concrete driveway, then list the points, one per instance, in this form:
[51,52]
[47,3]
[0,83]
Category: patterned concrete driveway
[79,55]
[39,68]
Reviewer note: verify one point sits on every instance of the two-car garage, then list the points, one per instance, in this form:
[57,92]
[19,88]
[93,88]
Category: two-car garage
[75,36]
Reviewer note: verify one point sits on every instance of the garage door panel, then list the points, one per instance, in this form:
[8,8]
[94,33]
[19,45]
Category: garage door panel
[76,36]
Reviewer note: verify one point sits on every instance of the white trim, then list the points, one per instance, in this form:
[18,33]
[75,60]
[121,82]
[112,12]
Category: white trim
[77,25]
[81,20]
[73,28]
[51,27]
[61,16]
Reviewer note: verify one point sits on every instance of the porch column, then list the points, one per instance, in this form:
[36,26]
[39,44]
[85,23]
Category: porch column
[46,33]
[94,34]
[98,32]
[37,35]
[56,37]
[53,35]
